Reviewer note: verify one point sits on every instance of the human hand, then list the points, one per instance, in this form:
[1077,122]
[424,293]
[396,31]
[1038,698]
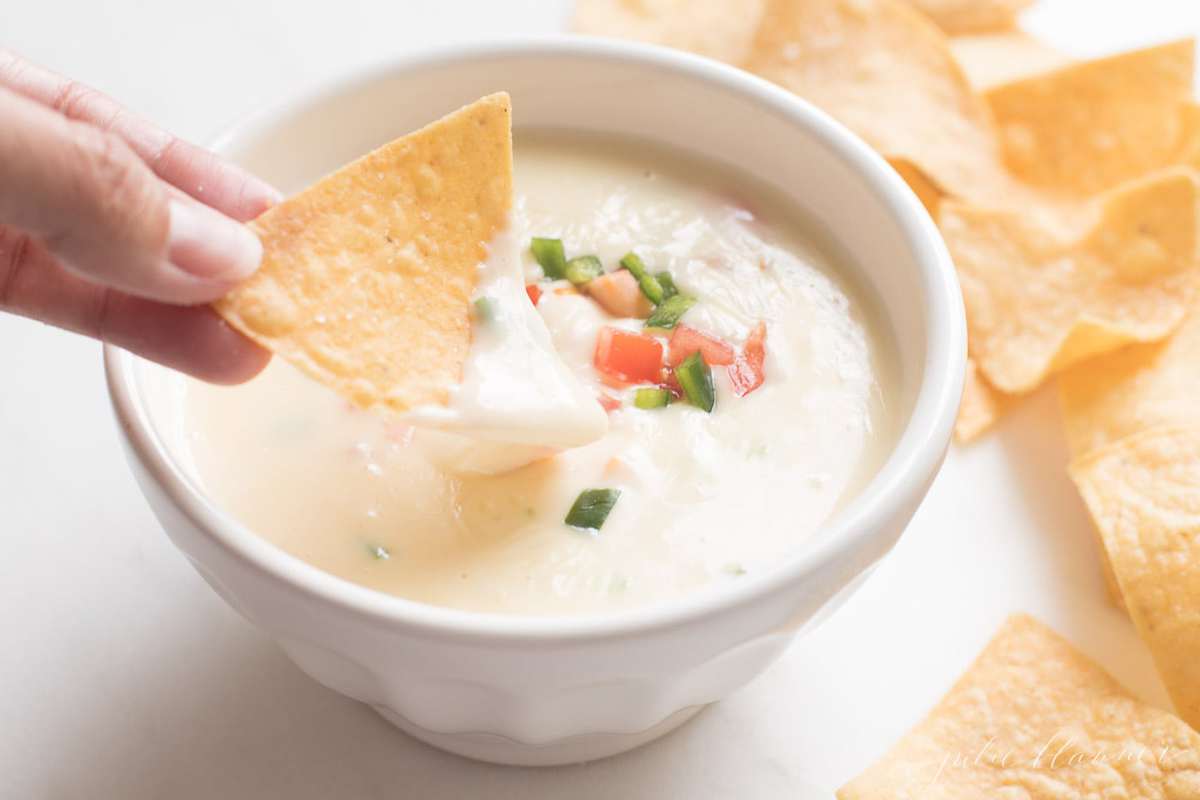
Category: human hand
[113,228]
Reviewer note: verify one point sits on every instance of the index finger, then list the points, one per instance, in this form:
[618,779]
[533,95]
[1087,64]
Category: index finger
[188,338]
[203,175]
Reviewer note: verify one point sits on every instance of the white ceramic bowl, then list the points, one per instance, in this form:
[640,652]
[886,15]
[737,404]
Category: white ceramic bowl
[548,691]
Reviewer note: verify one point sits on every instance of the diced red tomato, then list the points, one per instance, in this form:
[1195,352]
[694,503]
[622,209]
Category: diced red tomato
[628,357]
[534,291]
[608,402]
[686,340]
[618,293]
[746,373]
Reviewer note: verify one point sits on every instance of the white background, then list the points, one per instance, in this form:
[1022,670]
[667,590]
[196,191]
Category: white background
[123,676]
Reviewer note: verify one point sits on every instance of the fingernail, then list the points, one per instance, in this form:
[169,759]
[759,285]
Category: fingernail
[209,245]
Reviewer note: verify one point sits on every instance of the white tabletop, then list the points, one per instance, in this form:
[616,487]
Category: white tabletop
[122,675]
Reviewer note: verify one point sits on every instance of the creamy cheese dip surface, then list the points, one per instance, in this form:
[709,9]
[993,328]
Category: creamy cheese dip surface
[518,401]
[704,497]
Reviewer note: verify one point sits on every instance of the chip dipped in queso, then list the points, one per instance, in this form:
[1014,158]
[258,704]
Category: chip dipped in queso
[743,381]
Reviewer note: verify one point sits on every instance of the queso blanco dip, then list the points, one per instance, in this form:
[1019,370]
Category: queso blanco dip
[685,496]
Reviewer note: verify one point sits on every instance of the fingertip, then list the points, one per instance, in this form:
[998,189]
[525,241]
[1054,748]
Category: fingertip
[273,196]
[192,339]
[244,361]
[257,197]
[210,246]
[221,354]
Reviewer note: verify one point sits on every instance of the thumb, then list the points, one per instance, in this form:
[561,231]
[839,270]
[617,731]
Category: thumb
[105,215]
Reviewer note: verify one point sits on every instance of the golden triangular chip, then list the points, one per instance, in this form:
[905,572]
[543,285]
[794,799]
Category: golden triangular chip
[1108,404]
[1132,390]
[1037,304]
[1087,127]
[1143,493]
[367,275]
[1035,719]
[886,72]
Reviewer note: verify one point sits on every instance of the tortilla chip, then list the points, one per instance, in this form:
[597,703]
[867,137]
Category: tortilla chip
[367,275]
[1144,495]
[981,405]
[1132,390]
[1087,127]
[1035,719]
[718,29]
[1137,388]
[992,59]
[886,72]
[972,16]
[1037,304]
[1190,120]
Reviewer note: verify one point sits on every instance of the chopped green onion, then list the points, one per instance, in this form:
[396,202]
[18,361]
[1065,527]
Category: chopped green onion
[485,309]
[695,378]
[591,508]
[582,269]
[378,552]
[667,283]
[550,256]
[667,315]
[651,398]
[648,283]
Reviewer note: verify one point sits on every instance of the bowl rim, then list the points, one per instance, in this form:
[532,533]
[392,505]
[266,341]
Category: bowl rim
[911,464]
